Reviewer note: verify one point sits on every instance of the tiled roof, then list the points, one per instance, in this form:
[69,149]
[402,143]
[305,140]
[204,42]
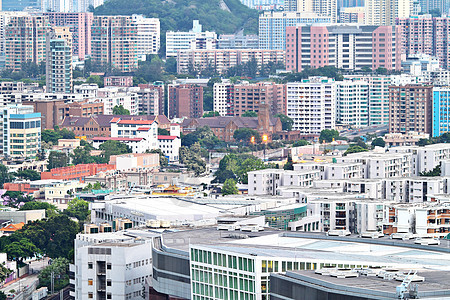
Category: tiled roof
[13,227]
[102,138]
[143,129]
[166,137]
[137,122]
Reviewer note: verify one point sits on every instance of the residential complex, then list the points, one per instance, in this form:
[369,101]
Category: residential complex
[352,103]
[382,12]
[147,35]
[59,60]
[411,109]
[344,46]
[114,42]
[311,104]
[185,101]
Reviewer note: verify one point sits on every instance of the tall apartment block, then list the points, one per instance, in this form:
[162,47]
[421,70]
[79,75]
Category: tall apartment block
[185,101]
[344,46]
[148,35]
[20,130]
[311,103]
[426,34]
[195,39]
[384,12]
[63,6]
[235,99]
[410,109]
[321,7]
[25,40]
[441,5]
[441,110]
[80,27]
[352,15]
[238,41]
[84,5]
[159,87]
[59,60]
[273,24]
[352,103]
[5,17]
[15,5]
[114,42]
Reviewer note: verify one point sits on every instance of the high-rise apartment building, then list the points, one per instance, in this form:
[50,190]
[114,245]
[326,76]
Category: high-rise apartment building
[238,41]
[147,34]
[80,27]
[321,7]
[410,109]
[441,111]
[5,17]
[20,131]
[58,5]
[235,99]
[352,15]
[25,40]
[311,104]
[195,39]
[273,24]
[85,5]
[384,12]
[344,46]
[441,5]
[426,35]
[352,103]
[185,101]
[59,60]
[114,42]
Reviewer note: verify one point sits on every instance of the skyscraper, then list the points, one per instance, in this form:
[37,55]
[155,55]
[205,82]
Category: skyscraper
[384,12]
[59,60]
[148,35]
[114,42]
[25,40]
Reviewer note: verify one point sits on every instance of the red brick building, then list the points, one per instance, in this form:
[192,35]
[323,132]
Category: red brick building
[78,172]
[185,100]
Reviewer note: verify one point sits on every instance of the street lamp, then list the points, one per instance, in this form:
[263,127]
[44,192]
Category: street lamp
[265,138]
[252,141]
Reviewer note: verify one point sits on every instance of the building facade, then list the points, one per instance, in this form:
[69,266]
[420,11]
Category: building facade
[185,101]
[148,35]
[114,42]
[352,103]
[410,109]
[441,111]
[344,46]
[59,77]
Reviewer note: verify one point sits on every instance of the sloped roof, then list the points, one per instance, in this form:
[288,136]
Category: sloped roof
[167,137]
[104,138]
[13,227]
[222,122]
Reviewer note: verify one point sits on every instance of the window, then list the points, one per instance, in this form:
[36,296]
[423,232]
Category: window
[90,282]
[109,266]
[90,265]
[108,283]
[90,295]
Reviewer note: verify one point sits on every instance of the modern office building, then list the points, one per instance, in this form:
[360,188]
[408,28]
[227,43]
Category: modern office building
[80,27]
[385,12]
[185,101]
[20,131]
[195,39]
[59,77]
[344,46]
[147,35]
[273,24]
[25,40]
[441,111]
[311,104]
[223,59]
[114,42]
[411,109]
[352,103]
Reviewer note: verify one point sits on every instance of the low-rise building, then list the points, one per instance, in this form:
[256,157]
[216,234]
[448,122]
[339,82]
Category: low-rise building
[135,161]
[78,172]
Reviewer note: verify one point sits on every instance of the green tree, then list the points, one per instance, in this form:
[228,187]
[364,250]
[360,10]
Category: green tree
[57,160]
[202,135]
[229,187]
[78,208]
[2,295]
[50,136]
[286,122]
[354,149]
[210,114]
[381,71]
[50,209]
[21,249]
[96,80]
[113,148]
[250,113]
[378,142]
[433,173]
[245,135]
[300,143]
[120,110]
[81,155]
[192,159]
[28,174]
[237,167]
[162,131]
[5,176]
[59,268]
[328,135]
[171,65]
[289,165]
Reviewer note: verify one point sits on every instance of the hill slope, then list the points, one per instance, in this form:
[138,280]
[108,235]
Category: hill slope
[222,16]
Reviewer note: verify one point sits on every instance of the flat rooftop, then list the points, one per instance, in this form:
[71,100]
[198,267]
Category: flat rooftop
[435,286]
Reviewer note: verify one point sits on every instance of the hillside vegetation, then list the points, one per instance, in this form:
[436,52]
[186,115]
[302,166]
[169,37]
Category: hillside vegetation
[222,16]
